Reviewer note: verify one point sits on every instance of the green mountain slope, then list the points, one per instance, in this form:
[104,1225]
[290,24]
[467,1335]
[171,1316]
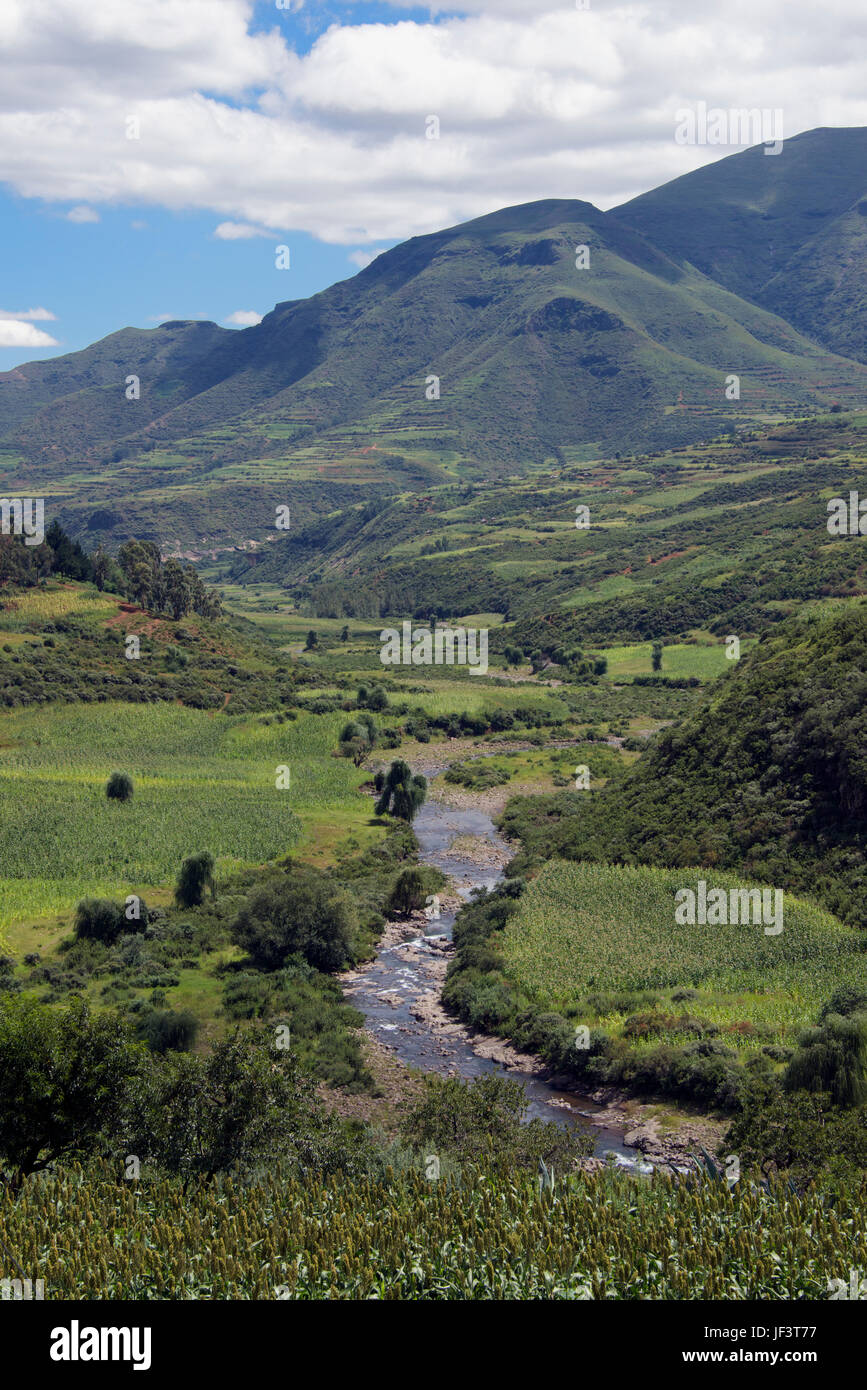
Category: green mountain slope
[787,231]
[768,776]
[536,359]
[65,405]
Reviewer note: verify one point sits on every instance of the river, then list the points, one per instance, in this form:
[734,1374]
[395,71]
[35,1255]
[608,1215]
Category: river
[387,991]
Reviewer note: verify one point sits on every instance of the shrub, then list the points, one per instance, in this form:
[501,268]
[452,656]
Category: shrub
[119,787]
[163,1030]
[100,919]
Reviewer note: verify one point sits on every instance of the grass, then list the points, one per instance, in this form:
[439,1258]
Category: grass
[57,600]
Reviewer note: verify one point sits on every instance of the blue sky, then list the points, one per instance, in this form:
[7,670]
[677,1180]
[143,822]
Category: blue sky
[307,124]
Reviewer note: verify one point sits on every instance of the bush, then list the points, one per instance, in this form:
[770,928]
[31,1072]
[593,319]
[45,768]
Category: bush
[832,1058]
[100,919]
[119,787]
[163,1030]
[300,914]
[408,893]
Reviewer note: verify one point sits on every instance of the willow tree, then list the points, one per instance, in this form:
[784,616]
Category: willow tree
[402,792]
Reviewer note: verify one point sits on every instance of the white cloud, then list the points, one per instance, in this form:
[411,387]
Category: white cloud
[535,99]
[33,315]
[239,231]
[244,318]
[15,333]
[82,214]
[362,258]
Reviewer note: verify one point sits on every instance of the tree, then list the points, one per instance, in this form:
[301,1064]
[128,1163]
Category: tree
[140,563]
[100,567]
[402,793]
[62,1083]
[357,738]
[246,1103]
[656,656]
[344,633]
[484,1122]
[408,893]
[119,787]
[177,589]
[302,914]
[832,1058]
[312,641]
[197,874]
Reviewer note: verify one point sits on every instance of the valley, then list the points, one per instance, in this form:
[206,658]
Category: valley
[406,798]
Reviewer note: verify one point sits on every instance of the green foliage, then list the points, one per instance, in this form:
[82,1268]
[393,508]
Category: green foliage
[768,776]
[165,1030]
[403,792]
[245,1103]
[301,913]
[119,787]
[196,875]
[100,919]
[802,1133]
[408,893]
[62,1082]
[832,1057]
[485,1122]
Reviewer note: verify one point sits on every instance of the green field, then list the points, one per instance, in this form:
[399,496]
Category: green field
[202,781]
[680,659]
[585,928]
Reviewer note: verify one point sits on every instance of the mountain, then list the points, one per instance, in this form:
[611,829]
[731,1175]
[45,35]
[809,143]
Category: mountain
[787,231]
[85,391]
[474,353]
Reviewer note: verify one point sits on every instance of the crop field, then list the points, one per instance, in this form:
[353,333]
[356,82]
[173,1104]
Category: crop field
[201,781]
[605,1236]
[680,659]
[584,928]
[57,600]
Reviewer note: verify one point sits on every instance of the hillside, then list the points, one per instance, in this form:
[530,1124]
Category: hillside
[768,775]
[729,536]
[786,231]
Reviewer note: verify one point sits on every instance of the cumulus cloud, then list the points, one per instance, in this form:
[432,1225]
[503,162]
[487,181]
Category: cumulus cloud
[82,214]
[33,315]
[15,333]
[362,258]
[535,99]
[244,318]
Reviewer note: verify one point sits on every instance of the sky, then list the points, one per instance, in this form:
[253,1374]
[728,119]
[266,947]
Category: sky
[154,154]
